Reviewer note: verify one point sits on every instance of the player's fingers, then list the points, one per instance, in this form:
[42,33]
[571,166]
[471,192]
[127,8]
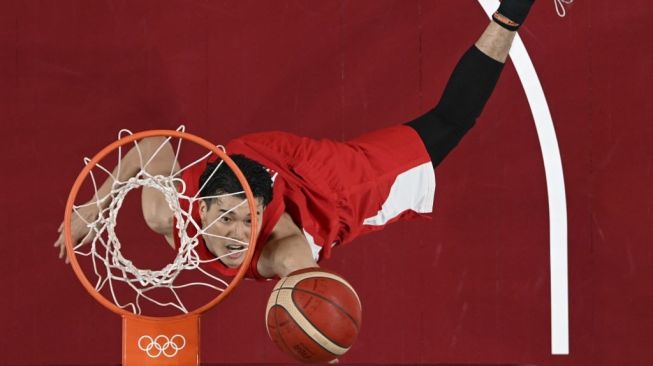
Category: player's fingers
[66,256]
[59,242]
[60,228]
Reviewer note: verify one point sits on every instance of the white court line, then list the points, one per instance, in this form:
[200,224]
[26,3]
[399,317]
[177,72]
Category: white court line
[555,185]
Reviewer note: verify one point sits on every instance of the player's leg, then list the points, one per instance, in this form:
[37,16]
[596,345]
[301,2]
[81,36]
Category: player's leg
[496,42]
[471,83]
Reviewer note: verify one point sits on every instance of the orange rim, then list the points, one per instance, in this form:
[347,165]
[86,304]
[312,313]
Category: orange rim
[129,139]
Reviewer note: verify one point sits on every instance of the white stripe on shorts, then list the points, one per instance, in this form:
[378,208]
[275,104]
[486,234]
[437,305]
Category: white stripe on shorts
[413,190]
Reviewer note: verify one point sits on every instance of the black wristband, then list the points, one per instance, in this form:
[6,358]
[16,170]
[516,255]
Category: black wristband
[515,10]
[505,22]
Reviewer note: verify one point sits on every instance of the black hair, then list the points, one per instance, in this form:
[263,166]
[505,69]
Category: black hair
[225,181]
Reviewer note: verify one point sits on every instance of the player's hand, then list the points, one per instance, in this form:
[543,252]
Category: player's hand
[79,228]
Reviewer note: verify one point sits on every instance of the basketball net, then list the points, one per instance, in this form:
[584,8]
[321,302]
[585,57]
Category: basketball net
[151,340]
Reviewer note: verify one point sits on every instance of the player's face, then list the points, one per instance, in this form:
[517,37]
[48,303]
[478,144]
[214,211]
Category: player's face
[228,224]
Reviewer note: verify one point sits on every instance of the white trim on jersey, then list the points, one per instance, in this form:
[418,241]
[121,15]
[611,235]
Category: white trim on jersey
[413,190]
[314,247]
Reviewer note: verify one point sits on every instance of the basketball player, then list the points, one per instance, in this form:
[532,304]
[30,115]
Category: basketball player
[325,193]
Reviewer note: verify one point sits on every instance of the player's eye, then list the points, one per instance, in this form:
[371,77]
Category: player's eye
[225,219]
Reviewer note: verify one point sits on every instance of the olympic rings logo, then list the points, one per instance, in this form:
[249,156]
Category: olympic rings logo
[161,345]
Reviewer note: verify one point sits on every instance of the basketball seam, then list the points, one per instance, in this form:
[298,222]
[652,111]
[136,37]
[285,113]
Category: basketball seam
[302,329]
[325,274]
[340,308]
[340,280]
[308,335]
[276,320]
[308,320]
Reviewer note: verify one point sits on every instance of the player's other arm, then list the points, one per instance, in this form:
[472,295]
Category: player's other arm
[471,83]
[286,251]
[154,210]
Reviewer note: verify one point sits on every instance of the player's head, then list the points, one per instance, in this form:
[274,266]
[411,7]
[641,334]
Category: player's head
[227,221]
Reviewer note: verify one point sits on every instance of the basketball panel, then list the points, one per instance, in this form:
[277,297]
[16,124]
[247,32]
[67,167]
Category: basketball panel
[292,339]
[327,317]
[336,292]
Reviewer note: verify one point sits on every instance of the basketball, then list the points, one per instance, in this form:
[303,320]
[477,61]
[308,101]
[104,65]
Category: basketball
[313,315]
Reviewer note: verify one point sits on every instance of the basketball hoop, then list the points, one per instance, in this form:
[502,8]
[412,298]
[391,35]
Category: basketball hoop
[150,339]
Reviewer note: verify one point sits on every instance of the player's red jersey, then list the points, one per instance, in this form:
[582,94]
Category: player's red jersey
[334,191]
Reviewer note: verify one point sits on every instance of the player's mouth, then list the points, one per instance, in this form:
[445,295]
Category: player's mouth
[236,251]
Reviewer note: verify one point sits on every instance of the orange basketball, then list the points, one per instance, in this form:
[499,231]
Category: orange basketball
[313,315]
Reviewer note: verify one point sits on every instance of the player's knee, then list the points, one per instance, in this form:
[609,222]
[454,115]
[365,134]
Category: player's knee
[459,119]
[465,125]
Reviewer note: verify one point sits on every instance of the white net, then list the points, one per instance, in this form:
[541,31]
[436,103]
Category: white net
[102,245]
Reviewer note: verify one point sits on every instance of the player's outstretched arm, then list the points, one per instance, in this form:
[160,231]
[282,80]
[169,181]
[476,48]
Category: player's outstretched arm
[285,255]
[163,161]
[286,251]
[471,83]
